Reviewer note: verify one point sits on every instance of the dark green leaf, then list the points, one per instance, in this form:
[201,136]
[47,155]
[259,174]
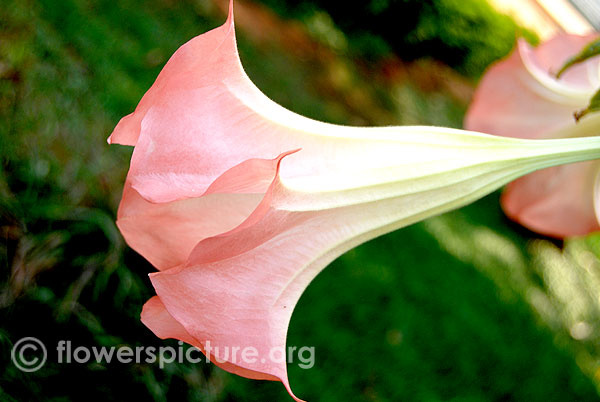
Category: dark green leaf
[594,106]
[592,49]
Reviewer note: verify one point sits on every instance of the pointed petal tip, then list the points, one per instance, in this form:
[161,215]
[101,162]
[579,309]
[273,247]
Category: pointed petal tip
[286,384]
[524,48]
[282,155]
[230,13]
[522,42]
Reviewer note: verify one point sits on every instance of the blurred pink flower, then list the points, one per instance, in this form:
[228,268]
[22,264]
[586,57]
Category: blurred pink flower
[240,203]
[519,97]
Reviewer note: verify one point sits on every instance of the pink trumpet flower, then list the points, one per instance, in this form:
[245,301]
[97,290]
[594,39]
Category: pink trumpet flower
[240,203]
[520,97]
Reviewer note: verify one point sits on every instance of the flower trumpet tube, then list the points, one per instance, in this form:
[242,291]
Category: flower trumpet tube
[240,203]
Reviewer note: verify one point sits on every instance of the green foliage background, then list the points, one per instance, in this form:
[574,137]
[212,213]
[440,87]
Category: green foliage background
[464,307]
[465,34]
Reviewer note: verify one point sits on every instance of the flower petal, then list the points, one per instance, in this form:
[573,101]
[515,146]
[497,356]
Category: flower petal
[165,233]
[156,317]
[518,97]
[186,69]
[557,202]
[552,54]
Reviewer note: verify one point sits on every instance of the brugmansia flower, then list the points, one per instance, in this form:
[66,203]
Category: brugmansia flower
[520,97]
[240,203]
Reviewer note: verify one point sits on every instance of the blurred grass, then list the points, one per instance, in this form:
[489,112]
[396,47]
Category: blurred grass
[463,307]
